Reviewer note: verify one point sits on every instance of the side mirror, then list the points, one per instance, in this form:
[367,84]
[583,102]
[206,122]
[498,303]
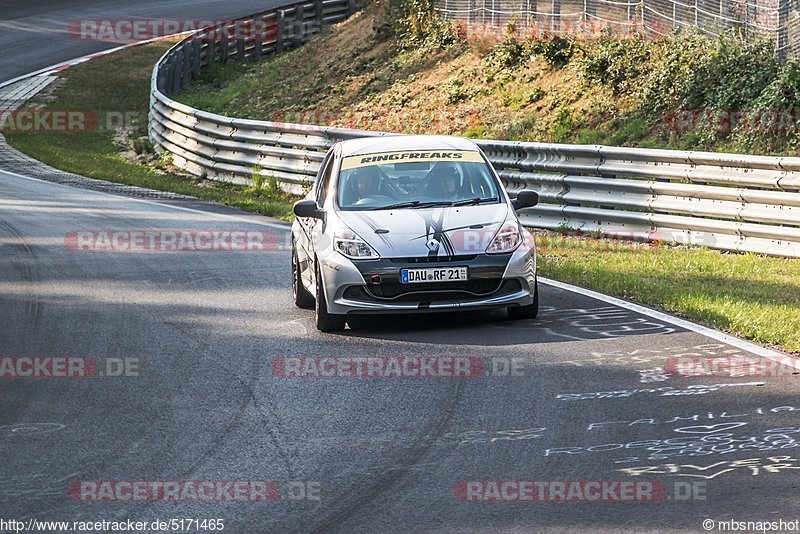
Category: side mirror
[308,209]
[525,199]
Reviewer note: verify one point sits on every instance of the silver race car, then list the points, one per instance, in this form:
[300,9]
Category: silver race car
[410,224]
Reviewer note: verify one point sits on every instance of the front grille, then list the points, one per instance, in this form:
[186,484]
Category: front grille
[443,291]
[434,259]
[478,286]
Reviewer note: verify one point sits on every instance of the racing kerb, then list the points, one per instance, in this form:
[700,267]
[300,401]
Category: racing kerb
[724,201]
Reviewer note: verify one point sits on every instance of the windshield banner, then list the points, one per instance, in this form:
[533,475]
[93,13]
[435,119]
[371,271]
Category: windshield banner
[365,160]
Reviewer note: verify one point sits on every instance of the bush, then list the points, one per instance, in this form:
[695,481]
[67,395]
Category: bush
[782,96]
[614,62]
[691,71]
[556,51]
[783,92]
[417,24]
[677,64]
[733,75]
[508,54]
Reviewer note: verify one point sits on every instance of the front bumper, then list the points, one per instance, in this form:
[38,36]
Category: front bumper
[495,281]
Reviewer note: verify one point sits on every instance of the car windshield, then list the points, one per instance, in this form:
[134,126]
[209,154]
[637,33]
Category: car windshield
[415,179]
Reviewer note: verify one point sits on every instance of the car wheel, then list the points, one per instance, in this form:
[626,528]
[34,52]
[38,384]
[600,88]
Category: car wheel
[302,298]
[526,312]
[326,322]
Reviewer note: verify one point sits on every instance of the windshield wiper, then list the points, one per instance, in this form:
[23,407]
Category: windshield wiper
[412,204]
[476,200]
[399,205]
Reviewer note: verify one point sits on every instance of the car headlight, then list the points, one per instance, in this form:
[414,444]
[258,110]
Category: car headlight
[506,239]
[351,246]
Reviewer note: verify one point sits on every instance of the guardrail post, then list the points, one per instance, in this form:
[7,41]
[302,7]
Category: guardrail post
[195,58]
[299,26]
[211,50]
[176,68]
[240,48]
[223,49]
[281,19]
[186,74]
[258,42]
[161,78]
[318,14]
[351,7]
[168,77]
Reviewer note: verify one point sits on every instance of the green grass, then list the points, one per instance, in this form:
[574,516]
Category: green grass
[749,295]
[221,84]
[120,84]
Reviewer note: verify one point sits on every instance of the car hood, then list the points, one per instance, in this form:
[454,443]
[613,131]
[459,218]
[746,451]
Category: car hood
[410,232]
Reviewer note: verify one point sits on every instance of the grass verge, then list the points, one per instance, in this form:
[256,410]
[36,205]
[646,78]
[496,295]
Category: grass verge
[115,89]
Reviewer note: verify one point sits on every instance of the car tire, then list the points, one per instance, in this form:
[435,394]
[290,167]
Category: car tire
[526,312]
[326,322]
[302,297]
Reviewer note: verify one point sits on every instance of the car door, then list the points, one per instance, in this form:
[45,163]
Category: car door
[311,228]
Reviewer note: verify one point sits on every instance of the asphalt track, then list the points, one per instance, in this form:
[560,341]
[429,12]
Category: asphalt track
[376,454]
[34,33]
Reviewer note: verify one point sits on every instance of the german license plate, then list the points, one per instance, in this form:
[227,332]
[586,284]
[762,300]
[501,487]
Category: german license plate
[439,274]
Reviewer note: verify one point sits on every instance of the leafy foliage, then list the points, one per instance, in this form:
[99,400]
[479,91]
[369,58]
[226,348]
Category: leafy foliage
[556,51]
[777,108]
[417,24]
[614,62]
[509,53]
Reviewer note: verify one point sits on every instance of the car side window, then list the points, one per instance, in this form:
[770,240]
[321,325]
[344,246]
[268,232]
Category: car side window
[325,180]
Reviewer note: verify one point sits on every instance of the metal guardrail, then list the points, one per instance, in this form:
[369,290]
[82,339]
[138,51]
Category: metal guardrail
[724,201]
